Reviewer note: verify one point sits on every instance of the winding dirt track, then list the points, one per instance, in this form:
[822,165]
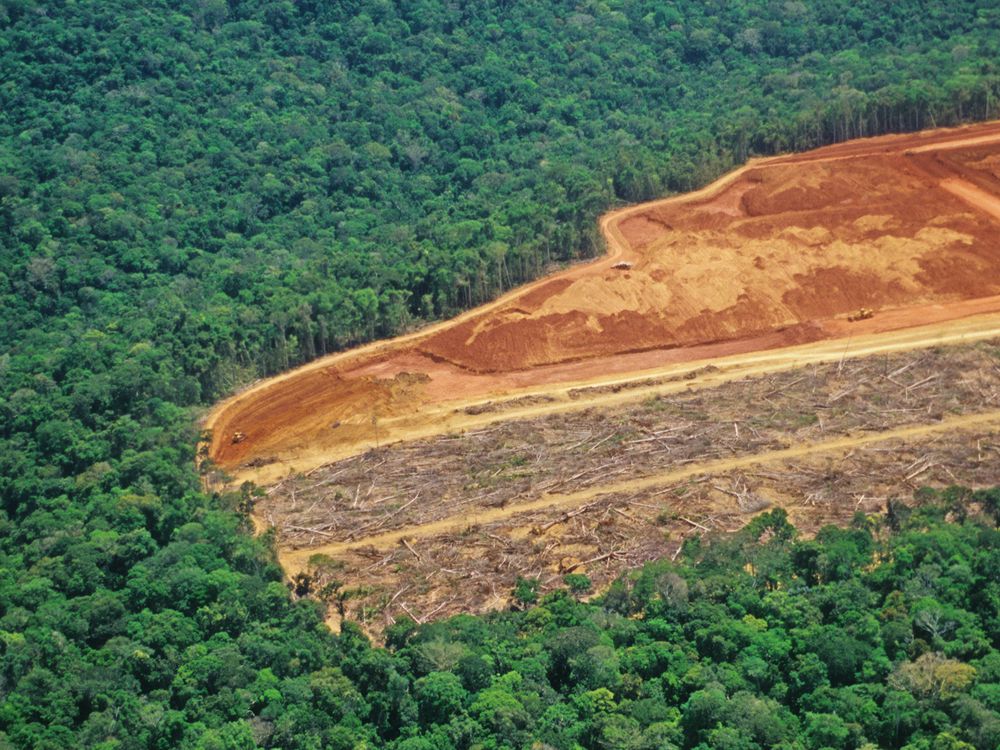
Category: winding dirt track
[438,379]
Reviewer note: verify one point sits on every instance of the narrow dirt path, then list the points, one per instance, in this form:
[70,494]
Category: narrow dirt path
[293,560]
[973,195]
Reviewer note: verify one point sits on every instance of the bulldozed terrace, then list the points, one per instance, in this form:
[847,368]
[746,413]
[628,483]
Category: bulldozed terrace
[782,252]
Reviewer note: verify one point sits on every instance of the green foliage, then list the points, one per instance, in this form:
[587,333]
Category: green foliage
[440,696]
[526,590]
[195,194]
[578,583]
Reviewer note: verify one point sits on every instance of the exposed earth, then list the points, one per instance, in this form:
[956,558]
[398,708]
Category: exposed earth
[774,256]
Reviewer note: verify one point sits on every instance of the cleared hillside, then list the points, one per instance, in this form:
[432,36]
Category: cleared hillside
[779,253]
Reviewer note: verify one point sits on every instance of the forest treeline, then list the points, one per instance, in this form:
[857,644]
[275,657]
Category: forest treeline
[881,635]
[251,184]
[196,193]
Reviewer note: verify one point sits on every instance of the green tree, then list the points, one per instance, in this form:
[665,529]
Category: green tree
[440,696]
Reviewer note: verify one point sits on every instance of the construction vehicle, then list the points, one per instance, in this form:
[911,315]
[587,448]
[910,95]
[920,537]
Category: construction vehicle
[863,314]
[239,437]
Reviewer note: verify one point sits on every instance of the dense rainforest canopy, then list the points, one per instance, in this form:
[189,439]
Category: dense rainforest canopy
[245,185]
[193,194]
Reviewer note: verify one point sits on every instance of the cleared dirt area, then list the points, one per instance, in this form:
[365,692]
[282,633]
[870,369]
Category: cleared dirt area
[776,254]
[781,246]
[447,524]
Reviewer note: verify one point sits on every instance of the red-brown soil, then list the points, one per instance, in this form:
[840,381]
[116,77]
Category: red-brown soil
[778,253]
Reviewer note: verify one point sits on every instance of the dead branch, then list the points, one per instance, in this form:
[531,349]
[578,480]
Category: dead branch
[407,545]
[694,523]
[309,530]
[568,515]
